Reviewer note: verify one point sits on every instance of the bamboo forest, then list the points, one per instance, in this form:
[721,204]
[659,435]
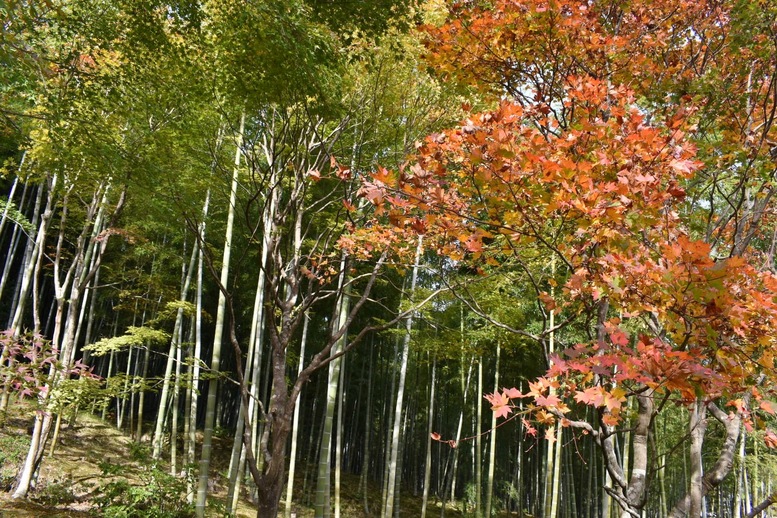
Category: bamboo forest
[388,258]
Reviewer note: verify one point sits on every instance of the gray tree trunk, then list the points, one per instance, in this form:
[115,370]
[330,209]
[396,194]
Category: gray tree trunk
[215,364]
[395,445]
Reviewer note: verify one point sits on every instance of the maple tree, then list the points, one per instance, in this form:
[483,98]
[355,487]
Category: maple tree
[631,146]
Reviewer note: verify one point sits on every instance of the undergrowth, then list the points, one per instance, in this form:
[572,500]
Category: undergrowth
[157,494]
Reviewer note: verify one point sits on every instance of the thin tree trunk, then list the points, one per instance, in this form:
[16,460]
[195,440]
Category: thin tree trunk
[86,300]
[340,437]
[237,459]
[295,425]
[111,357]
[395,446]
[256,349]
[314,440]
[172,354]
[392,375]
[18,231]
[322,505]
[55,437]
[662,459]
[455,452]
[492,451]
[428,462]
[121,399]
[477,430]
[740,479]
[367,434]
[32,260]
[756,492]
[176,414]
[519,464]
[553,451]
[215,366]
[142,394]
[92,307]
[191,437]
[400,461]
[40,431]
[698,426]
[9,203]
[389,403]
[9,258]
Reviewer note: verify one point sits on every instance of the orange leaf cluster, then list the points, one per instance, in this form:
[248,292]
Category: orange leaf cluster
[589,161]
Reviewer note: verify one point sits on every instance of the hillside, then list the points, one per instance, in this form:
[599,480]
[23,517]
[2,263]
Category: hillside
[97,470]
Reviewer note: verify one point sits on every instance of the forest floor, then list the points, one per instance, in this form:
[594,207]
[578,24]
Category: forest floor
[97,470]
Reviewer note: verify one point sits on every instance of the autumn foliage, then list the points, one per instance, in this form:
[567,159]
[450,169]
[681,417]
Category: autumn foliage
[630,146]
[602,196]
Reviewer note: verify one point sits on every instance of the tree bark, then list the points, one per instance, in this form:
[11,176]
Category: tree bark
[215,365]
[478,444]
[36,248]
[428,462]
[175,345]
[323,493]
[724,462]
[395,445]
[367,434]
[492,445]
[295,426]
[15,237]
[698,426]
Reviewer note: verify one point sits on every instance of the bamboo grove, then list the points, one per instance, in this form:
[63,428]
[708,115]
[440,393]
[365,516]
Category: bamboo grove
[398,257]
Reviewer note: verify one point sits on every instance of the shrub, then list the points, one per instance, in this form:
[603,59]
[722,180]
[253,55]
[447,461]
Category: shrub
[158,495]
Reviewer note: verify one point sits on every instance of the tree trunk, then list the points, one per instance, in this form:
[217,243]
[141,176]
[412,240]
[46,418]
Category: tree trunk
[295,425]
[16,236]
[553,451]
[477,429]
[634,494]
[395,446]
[176,414]
[40,432]
[121,399]
[35,250]
[172,353]
[455,451]
[367,434]
[210,409]
[4,218]
[82,276]
[389,403]
[191,410]
[428,462]
[492,446]
[257,337]
[740,489]
[142,395]
[340,437]
[322,502]
[715,475]
[698,426]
